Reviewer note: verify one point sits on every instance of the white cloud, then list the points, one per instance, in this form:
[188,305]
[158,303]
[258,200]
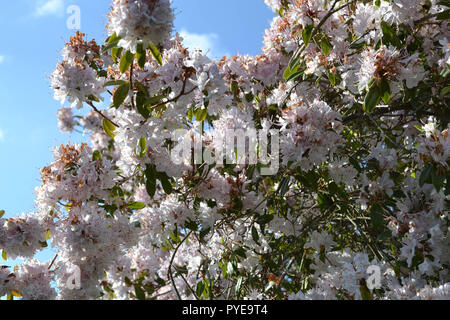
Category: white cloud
[208,43]
[2,135]
[2,58]
[49,7]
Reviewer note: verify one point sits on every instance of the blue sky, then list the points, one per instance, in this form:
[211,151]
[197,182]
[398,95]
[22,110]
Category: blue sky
[33,33]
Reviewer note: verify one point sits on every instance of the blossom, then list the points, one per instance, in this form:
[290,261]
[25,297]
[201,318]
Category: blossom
[66,121]
[33,281]
[77,84]
[141,20]
[306,135]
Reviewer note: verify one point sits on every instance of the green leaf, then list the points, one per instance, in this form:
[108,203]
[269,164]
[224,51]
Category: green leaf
[141,55]
[445,15]
[2,213]
[16,294]
[152,101]
[307,34]
[126,61]
[419,128]
[142,144]
[385,91]
[372,99]
[109,128]
[155,53]
[115,83]
[376,217]
[230,269]
[204,233]
[444,92]
[150,183]
[201,115]
[191,225]
[445,72]
[365,293]
[136,205]
[294,63]
[43,244]
[240,252]
[389,35]
[115,54]
[255,234]
[332,78]
[284,185]
[425,176]
[141,104]
[239,285]
[128,282]
[289,72]
[265,219]
[269,286]
[4,255]
[111,42]
[437,180]
[444,3]
[295,76]
[235,87]
[165,182]
[200,288]
[102,73]
[96,155]
[121,94]
[249,97]
[112,38]
[93,98]
[140,294]
[323,201]
[357,45]
[326,46]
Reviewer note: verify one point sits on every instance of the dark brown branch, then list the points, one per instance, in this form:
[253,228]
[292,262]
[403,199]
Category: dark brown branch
[131,86]
[53,262]
[101,114]
[182,93]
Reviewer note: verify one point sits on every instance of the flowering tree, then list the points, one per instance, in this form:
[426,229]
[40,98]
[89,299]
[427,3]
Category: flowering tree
[352,96]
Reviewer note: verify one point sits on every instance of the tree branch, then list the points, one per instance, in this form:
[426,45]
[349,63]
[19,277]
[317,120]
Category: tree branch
[169,273]
[101,114]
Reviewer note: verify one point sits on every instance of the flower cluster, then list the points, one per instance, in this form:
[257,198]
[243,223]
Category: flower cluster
[75,79]
[141,21]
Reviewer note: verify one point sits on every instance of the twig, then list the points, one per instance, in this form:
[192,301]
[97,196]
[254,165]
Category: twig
[53,261]
[189,286]
[183,89]
[321,23]
[131,85]
[101,114]
[427,17]
[169,273]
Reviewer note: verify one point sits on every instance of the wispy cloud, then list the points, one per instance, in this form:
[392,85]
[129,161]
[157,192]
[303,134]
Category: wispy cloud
[2,58]
[2,135]
[209,43]
[49,7]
